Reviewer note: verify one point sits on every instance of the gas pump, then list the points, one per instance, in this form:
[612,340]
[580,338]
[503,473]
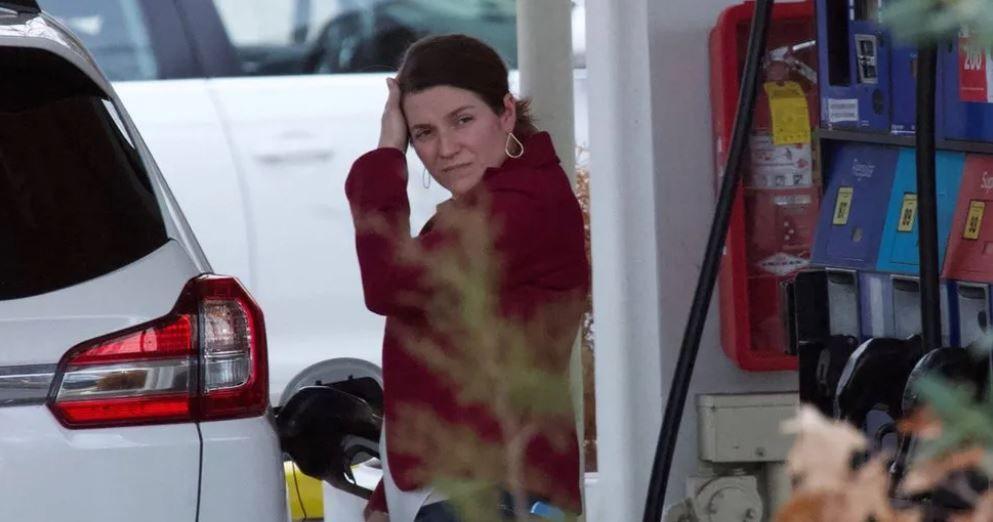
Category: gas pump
[868,80]
[909,254]
[969,265]
[867,318]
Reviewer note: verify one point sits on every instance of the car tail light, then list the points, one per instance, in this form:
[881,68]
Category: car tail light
[205,360]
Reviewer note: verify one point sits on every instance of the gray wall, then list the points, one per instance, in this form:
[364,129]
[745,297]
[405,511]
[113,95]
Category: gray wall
[652,185]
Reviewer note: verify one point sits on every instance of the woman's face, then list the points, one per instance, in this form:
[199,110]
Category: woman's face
[457,135]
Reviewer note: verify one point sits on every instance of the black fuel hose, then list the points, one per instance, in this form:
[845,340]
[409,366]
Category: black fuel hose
[927,201]
[927,209]
[655,502]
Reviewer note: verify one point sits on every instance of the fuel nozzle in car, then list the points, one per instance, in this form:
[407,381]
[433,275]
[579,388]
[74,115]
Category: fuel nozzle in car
[327,429]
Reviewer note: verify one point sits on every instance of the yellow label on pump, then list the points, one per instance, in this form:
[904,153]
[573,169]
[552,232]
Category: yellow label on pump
[974,221]
[843,207]
[908,213]
[790,116]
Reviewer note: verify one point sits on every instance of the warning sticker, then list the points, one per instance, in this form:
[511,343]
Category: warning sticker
[974,221]
[843,207]
[790,116]
[908,213]
[779,166]
[842,110]
[782,264]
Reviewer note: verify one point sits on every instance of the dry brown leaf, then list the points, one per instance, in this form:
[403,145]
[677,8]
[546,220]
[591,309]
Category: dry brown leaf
[910,515]
[928,474]
[827,488]
[809,507]
[923,424]
[821,455]
[983,512]
[864,497]
[868,494]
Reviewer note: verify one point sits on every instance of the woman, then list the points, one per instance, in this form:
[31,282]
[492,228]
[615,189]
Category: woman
[451,101]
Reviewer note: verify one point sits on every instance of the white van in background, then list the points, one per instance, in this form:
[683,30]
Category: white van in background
[254,111]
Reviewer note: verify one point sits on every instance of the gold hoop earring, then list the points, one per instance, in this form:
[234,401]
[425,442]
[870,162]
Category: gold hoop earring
[520,146]
[425,178]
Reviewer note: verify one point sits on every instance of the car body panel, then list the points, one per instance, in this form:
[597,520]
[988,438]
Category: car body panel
[241,474]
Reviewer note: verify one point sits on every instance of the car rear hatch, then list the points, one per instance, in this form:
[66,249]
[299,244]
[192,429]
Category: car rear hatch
[112,344]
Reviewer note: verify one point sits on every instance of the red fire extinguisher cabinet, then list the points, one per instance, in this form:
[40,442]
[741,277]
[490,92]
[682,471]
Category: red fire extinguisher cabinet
[775,211]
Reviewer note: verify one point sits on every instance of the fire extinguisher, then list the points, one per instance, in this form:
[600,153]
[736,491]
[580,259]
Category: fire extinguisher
[782,164]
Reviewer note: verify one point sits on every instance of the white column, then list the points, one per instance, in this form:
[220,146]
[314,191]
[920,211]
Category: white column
[544,56]
[625,254]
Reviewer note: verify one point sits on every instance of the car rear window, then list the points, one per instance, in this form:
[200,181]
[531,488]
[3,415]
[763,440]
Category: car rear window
[75,201]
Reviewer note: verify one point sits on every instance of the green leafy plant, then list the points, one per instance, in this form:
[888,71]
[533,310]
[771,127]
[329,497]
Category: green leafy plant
[513,366]
[923,21]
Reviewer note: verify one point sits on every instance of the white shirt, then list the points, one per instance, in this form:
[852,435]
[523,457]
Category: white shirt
[403,505]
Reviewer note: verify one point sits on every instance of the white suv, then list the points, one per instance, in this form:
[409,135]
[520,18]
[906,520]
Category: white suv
[255,110]
[133,384]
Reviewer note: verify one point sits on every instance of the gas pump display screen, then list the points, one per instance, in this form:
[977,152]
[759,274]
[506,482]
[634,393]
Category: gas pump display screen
[867,58]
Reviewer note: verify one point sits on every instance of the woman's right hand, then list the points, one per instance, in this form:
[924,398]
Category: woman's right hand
[394,126]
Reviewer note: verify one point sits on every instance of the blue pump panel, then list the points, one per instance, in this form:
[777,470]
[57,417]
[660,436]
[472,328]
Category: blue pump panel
[899,251]
[903,93]
[859,179]
[853,66]
[965,110]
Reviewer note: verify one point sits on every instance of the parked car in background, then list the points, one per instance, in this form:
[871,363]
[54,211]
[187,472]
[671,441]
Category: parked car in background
[255,110]
[133,382]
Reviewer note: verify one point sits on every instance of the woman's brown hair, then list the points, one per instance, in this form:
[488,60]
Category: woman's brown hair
[462,61]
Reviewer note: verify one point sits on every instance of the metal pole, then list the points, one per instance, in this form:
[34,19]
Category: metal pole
[927,200]
[927,207]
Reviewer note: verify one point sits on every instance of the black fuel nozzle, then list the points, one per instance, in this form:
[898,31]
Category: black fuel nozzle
[875,377]
[325,431]
[956,366]
[821,364]
[822,350]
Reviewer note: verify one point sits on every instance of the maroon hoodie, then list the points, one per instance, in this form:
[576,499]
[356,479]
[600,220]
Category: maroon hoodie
[538,236]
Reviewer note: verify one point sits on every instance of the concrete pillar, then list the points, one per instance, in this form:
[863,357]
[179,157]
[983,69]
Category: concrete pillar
[625,254]
[544,59]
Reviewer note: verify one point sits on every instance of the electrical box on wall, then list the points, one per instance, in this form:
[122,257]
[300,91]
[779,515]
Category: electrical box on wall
[745,428]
